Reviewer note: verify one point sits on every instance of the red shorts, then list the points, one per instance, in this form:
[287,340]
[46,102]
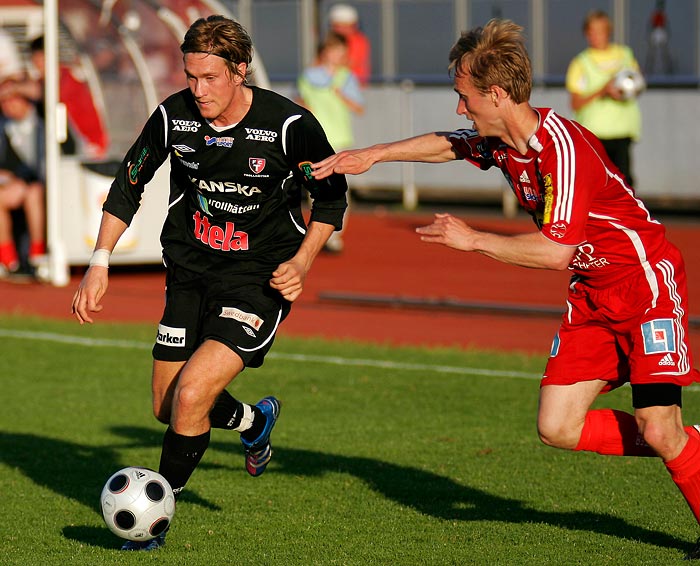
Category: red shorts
[635,331]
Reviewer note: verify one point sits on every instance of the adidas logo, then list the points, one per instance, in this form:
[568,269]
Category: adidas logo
[667,360]
[524,178]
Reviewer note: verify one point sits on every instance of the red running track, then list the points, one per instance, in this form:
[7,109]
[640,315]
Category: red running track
[385,258]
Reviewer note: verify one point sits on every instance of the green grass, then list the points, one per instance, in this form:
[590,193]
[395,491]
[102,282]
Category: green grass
[383,456]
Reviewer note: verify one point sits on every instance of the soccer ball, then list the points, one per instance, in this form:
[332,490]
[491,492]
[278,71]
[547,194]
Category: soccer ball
[137,503]
[629,82]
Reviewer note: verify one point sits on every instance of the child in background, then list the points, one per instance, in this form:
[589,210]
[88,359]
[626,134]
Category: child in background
[332,92]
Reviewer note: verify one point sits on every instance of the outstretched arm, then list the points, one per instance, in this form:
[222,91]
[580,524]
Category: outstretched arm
[428,148]
[526,250]
[94,284]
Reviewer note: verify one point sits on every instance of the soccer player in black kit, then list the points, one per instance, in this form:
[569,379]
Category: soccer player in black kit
[235,244]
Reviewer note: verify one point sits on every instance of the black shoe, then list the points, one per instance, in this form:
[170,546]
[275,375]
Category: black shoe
[695,553]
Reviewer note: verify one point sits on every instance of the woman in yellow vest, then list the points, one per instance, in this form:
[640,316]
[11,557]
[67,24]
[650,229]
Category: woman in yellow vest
[598,102]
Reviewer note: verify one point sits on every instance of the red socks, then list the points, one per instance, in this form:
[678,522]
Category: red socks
[612,433]
[615,433]
[37,248]
[685,471]
[8,255]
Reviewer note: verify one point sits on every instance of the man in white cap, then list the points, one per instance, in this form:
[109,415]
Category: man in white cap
[344,21]
[10,59]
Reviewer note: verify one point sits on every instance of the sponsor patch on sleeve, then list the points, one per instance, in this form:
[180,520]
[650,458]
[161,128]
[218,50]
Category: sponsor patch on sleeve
[548,198]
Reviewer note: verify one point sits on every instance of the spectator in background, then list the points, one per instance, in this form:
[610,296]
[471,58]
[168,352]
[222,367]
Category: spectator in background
[11,66]
[21,180]
[87,134]
[332,92]
[343,20]
[659,54]
[598,103]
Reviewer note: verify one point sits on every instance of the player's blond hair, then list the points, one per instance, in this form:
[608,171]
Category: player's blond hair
[223,37]
[494,55]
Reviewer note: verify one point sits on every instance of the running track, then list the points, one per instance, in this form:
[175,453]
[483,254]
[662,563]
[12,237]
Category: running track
[384,259]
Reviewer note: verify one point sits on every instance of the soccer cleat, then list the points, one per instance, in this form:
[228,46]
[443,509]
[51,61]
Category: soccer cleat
[145,545]
[694,554]
[259,452]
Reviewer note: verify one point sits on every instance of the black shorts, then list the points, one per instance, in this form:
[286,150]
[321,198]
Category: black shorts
[201,307]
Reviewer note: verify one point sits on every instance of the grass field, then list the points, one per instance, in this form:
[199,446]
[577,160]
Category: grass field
[382,456]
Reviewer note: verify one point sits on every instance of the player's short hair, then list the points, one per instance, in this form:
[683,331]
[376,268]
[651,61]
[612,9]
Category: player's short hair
[223,37]
[494,55]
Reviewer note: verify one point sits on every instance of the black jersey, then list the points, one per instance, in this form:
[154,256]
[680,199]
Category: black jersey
[235,193]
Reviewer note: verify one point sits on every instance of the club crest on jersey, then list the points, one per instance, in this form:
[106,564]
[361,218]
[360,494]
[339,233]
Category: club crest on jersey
[558,229]
[256,164]
[659,336]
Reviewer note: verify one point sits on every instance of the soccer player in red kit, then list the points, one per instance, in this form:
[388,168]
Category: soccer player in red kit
[627,315]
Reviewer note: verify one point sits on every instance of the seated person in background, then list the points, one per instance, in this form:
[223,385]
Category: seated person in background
[22,159]
[11,66]
[87,134]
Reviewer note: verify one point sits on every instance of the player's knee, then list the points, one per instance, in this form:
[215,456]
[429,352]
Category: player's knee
[191,400]
[662,438]
[557,434]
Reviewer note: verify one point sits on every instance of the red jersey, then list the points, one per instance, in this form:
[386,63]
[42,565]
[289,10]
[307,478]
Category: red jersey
[576,196]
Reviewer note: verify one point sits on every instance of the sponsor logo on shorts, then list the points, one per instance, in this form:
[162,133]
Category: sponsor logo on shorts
[241,316]
[169,336]
[659,336]
[555,346]
[667,360]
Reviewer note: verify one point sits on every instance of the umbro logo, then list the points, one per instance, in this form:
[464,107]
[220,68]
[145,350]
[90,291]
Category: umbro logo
[667,360]
[524,177]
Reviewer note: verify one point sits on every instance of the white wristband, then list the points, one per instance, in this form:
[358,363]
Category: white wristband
[101,258]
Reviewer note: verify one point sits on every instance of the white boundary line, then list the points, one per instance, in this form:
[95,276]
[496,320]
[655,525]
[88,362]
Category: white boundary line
[303,358]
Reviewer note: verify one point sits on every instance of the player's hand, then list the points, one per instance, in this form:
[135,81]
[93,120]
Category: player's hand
[449,231]
[289,279]
[89,294]
[351,162]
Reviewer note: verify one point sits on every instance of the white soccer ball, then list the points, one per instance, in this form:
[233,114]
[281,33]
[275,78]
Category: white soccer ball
[630,83]
[137,504]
